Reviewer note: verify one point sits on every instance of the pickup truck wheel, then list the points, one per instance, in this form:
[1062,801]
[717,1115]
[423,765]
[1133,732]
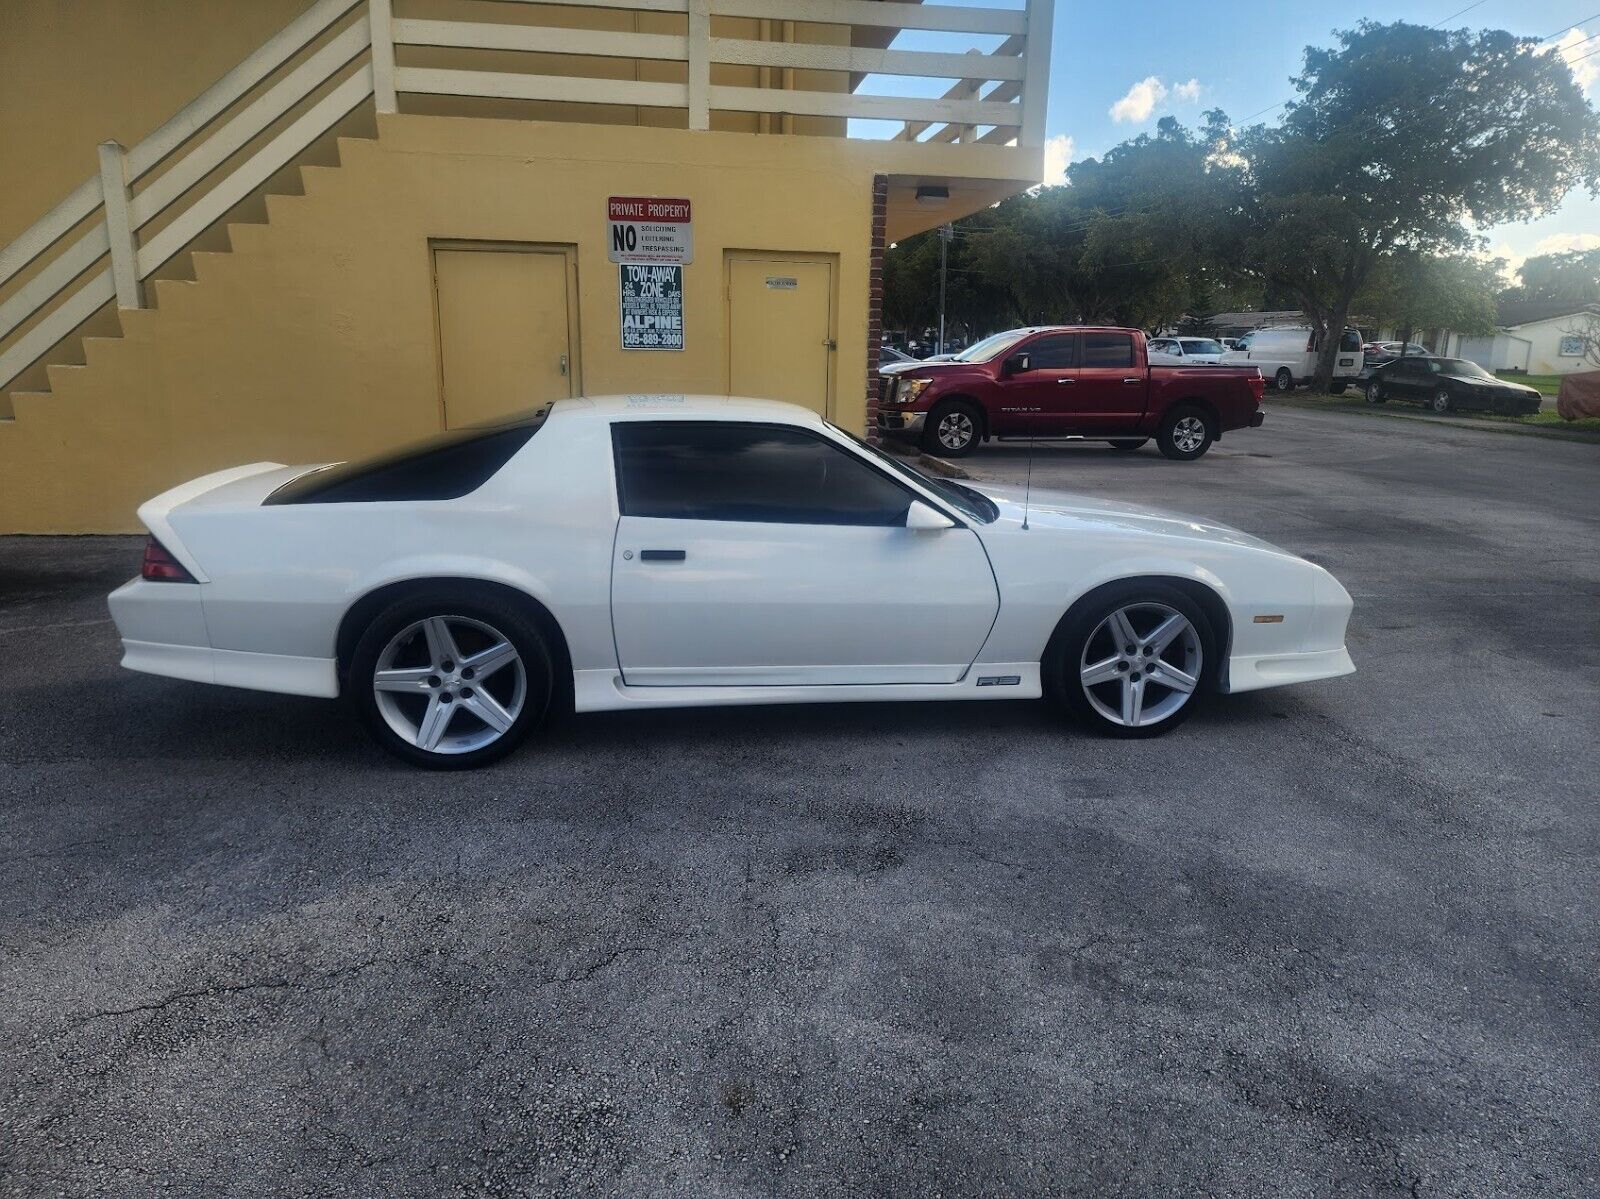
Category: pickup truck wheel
[953,429]
[1375,392]
[1337,388]
[1134,663]
[1128,445]
[1283,380]
[1185,435]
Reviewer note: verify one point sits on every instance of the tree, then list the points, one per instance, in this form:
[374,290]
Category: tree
[1574,275]
[1400,136]
[1412,291]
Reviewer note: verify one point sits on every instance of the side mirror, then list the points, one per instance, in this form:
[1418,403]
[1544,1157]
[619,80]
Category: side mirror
[920,518]
[1015,364]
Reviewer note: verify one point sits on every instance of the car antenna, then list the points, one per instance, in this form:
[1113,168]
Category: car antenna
[1027,489]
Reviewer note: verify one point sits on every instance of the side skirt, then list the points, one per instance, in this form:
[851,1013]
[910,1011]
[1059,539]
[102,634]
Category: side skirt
[604,690]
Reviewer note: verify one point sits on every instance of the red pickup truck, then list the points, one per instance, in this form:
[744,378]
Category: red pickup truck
[1088,382]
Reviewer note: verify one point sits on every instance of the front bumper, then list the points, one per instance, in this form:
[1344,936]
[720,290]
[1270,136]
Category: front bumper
[900,422]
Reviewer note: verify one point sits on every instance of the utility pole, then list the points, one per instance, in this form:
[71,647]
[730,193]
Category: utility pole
[947,234]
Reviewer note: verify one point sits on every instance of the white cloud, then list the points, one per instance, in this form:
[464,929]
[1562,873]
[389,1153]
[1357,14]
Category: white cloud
[1058,152]
[1576,46]
[1144,96]
[1561,243]
[1140,101]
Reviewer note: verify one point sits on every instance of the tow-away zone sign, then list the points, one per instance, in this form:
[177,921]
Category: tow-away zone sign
[652,306]
[649,229]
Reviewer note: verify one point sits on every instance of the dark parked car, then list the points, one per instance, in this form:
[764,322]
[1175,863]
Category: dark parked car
[1449,385]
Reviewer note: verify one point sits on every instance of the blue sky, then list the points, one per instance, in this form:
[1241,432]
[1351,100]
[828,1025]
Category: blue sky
[1116,70]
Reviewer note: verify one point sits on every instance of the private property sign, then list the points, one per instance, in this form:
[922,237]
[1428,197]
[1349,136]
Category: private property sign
[649,229]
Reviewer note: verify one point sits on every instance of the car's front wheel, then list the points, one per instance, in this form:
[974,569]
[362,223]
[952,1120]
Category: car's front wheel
[953,429]
[451,681]
[1133,663]
[1374,392]
[1185,435]
[1441,402]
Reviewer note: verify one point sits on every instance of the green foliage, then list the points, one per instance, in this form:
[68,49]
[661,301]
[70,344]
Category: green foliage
[1571,276]
[1416,291]
[1400,139]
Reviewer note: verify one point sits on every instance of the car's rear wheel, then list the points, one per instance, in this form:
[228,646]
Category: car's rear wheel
[1185,435]
[1283,380]
[1441,402]
[1374,392]
[1128,444]
[451,681]
[1132,664]
[953,429]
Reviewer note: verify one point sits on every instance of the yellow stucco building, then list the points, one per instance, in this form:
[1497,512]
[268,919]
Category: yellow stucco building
[301,233]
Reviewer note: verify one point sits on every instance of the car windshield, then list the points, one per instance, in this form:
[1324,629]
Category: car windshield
[990,347]
[1201,345]
[968,502]
[1460,366]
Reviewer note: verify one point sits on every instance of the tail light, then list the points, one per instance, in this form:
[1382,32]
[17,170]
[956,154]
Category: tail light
[1258,387]
[161,567]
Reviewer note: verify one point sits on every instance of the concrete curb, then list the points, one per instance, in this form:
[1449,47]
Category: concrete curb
[939,466]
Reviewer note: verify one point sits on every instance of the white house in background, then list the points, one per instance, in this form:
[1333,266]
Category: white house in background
[1536,336]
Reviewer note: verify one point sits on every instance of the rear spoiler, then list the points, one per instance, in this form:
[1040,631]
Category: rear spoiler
[154,513]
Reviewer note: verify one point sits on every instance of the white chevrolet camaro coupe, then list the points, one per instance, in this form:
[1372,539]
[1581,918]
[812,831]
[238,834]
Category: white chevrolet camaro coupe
[666,551]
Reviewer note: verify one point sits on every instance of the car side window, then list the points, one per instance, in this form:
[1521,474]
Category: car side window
[1107,349]
[772,474]
[1053,353]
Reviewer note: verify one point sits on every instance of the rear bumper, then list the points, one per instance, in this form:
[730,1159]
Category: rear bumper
[163,628]
[317,677]
[1257,419]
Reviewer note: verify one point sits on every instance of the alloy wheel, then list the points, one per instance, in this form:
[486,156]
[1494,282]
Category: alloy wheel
[1441,401]
[450,684]
[1141,664]
[956,430]
[1189,433]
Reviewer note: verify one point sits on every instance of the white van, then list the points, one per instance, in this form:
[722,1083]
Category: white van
[1287,357]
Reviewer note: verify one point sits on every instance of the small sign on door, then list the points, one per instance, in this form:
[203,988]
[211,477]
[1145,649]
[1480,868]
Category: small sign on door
[782,282]
[652,306]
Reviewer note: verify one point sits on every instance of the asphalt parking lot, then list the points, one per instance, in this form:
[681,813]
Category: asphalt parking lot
[1337,939]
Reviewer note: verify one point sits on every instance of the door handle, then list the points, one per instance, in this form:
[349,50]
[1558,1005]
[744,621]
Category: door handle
[563,366]
[662,555]
[1126,381]
[1069,382]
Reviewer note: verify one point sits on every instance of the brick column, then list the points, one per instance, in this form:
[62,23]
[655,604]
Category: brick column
[880,216]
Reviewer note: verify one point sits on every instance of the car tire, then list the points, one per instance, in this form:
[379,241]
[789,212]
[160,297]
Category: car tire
[1283,380]
[433,707]
[1085,648]
[1375,393]
[1128,444]
[953,430]
[1441,402]
[1186,434]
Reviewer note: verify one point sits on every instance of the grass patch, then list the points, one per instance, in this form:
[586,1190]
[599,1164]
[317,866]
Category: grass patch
[1539,423]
